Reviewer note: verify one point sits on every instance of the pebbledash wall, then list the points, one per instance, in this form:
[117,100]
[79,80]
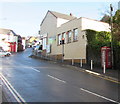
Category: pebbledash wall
[74,35]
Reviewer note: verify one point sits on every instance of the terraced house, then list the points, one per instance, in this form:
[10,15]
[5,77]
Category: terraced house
[8,40]
[56,27]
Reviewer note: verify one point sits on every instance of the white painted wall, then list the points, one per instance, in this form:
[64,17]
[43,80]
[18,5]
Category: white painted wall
[24,43]
[94,25]
[4,43]
[60,21]
[8,38]
[3,36]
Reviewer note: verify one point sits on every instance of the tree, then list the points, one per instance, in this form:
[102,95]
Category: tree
[116,27]
[105,18]
[96,40]
[116,39]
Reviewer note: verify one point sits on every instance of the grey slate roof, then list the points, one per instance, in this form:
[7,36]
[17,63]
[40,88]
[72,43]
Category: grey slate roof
[60,15]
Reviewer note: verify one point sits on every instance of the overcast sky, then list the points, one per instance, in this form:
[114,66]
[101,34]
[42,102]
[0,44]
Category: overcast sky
[24,18]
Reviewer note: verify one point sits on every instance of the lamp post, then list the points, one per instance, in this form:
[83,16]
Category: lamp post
[111,24]
[62,42]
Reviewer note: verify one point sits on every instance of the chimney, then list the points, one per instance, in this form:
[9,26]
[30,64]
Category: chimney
[70,14]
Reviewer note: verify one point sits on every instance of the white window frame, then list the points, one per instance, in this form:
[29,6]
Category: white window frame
[44,43]
[75,34]
[64,36]
[69,33]
[59,38]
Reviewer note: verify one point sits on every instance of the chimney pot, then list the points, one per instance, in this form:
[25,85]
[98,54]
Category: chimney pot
[70,14]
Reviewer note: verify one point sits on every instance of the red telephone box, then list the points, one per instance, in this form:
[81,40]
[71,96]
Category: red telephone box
[106,57]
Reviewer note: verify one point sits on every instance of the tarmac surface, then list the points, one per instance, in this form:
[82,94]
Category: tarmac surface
[36,80]
[111,74]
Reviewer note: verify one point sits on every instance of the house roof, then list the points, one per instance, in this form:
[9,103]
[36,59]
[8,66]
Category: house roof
[6,31]
[59,15]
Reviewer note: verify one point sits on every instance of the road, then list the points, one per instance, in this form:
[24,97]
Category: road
[35,80]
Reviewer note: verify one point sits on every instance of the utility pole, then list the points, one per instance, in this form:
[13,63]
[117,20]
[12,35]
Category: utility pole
[62,42]
[111,23]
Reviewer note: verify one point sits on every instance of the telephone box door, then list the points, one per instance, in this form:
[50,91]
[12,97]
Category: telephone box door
[106,57]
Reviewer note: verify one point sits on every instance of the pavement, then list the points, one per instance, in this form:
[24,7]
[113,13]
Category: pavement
[110,74]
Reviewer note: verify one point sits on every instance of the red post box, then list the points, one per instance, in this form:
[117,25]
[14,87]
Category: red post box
[106,57]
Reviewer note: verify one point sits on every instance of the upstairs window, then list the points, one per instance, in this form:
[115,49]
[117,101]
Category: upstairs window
[64,36]
[75,34]
[69,33]
[59,38]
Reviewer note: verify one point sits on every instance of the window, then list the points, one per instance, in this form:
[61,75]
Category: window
[59,38]
[69,36]
[44,43]
[64,36]
[75,34]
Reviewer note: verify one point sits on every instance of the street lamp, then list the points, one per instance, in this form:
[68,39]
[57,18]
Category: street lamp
[62,42]
[111,23]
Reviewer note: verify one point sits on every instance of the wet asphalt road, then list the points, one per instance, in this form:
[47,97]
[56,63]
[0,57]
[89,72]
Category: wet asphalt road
[43,81]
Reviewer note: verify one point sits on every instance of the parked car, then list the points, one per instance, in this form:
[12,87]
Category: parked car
[4,53]
[37,49]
